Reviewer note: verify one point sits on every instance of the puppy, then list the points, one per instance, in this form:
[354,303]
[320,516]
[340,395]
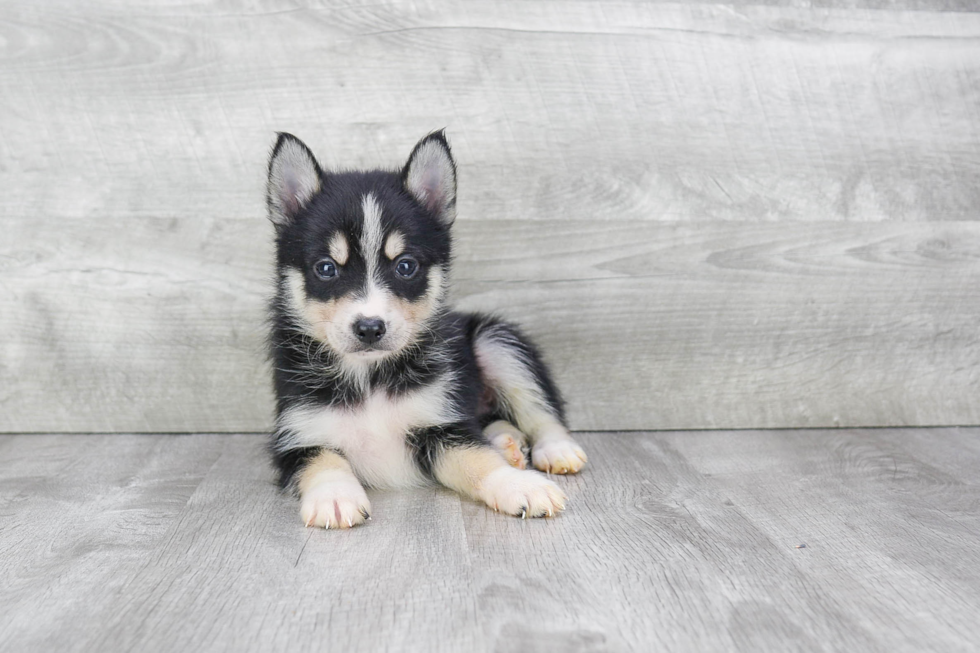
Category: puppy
[377,383]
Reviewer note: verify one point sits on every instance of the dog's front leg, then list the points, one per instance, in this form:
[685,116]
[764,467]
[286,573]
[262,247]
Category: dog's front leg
[479,472]
[330,494]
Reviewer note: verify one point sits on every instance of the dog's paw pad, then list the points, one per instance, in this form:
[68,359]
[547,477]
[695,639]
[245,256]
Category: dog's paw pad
[522,493]
[562,456]
[335,504]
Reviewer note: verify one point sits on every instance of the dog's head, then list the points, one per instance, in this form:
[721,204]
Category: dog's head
[363,257]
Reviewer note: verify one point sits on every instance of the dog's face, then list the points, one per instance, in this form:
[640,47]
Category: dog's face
[362,256]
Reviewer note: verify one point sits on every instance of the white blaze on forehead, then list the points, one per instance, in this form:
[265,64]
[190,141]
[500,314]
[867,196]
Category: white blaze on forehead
[395,245]
[377,299]
[371,234]
[338,248]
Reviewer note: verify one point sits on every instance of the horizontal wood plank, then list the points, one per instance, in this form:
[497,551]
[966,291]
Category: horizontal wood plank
[158,324]
[764,541]
[651,111]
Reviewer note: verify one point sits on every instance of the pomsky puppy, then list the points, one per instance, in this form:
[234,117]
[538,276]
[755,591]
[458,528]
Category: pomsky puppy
[377,383]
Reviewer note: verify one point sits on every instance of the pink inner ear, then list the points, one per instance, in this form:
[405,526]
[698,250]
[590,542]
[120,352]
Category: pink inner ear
[290,193]
[430,186]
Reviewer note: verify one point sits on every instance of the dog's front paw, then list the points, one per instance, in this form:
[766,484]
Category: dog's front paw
[521,493]
[336,501]
[558,456]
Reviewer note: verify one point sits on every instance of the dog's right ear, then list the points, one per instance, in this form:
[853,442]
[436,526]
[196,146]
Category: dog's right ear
[294,178]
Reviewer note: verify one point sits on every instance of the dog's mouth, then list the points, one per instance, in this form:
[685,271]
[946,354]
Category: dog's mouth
[368,353]
[371,353]
[370,357]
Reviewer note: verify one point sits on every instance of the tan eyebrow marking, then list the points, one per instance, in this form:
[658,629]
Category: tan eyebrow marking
[338,248]
[395,245]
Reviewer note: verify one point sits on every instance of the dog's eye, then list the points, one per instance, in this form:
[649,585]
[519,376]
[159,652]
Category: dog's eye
[406,267]
[325,269]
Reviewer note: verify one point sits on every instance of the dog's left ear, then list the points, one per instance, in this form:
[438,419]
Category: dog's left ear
[430,176]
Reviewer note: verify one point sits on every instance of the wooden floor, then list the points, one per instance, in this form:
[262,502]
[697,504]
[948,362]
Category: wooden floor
[758,540]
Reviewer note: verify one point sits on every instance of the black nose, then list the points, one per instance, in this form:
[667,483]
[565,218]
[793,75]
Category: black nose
[369,331]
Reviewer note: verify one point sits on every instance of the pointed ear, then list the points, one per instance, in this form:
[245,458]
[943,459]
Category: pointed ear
[294,178]
[430,176]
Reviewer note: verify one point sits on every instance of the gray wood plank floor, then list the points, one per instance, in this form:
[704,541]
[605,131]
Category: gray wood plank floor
[672,541]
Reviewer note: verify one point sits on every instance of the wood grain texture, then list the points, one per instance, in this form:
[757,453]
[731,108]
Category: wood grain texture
[711,215]
[646,324]
[647,111]
[672,541]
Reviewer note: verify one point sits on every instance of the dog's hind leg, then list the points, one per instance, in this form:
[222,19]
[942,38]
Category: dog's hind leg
[509,441]
[458,456]
[525,396]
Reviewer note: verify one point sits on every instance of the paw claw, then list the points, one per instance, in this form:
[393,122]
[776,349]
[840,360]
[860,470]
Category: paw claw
[521,493]
[558,456]
[337,501]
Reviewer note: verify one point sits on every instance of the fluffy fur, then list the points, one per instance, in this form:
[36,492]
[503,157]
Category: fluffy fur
[377,382]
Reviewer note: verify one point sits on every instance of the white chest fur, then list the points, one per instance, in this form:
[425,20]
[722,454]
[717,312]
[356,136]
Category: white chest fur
[371,435]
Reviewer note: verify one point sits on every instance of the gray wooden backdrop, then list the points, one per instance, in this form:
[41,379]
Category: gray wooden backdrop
[710,215]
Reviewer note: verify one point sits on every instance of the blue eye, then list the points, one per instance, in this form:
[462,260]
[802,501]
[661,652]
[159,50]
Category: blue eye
[325,269]
[406,267]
